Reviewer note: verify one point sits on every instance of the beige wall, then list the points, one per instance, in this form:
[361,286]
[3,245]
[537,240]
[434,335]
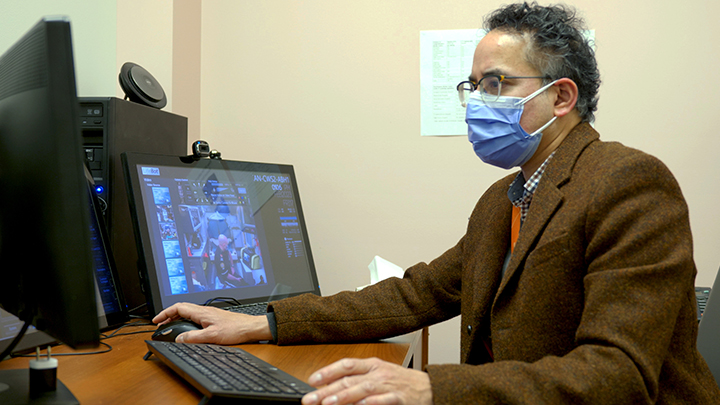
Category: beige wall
[187,45]
[145,37]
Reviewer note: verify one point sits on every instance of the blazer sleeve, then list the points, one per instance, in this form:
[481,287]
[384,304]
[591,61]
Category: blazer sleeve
[427,294]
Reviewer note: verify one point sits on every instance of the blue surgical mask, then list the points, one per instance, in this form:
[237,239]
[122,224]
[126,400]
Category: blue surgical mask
[495,132]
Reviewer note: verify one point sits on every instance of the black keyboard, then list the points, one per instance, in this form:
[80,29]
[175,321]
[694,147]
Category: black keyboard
[229,372]
[258,308]
[702,294]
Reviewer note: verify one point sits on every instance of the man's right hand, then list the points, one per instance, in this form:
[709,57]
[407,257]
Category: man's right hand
[219,326]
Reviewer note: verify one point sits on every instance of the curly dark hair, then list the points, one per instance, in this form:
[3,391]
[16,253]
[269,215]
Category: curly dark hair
[556,46]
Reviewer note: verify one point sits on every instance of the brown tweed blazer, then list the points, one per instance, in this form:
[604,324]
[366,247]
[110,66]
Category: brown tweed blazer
[597,304]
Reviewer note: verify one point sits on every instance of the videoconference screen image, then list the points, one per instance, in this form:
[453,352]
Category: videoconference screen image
[215,230]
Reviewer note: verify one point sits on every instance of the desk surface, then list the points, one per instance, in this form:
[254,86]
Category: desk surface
[122,376]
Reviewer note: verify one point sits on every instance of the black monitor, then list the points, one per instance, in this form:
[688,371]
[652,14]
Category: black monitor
[210,228]
[45,234]
[111,307]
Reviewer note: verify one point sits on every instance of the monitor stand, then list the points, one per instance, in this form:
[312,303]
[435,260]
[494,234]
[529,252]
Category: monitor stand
[15,389]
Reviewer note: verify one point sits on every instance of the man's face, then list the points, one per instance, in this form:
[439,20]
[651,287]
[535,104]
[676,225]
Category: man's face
[500,53]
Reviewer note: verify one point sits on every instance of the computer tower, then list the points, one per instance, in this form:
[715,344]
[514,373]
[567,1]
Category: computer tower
[111,126]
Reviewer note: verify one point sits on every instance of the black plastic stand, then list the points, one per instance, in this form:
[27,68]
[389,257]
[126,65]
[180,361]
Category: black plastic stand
[15,389]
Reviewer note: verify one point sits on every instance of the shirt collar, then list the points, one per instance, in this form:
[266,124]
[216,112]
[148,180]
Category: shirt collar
[520,192]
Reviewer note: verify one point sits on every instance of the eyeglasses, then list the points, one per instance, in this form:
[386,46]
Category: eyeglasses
[489,87]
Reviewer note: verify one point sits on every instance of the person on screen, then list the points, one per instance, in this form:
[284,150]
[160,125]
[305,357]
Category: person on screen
[225,266]
[197,285]
[574,279]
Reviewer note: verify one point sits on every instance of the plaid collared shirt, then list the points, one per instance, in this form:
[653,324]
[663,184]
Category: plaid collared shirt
[521,191]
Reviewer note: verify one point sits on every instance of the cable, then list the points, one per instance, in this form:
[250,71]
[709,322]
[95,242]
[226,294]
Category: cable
[135,323]
[109,348]
[138,308]
[8,350]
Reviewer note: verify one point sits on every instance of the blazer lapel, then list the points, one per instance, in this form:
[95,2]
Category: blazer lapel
[491,242]
[548,197]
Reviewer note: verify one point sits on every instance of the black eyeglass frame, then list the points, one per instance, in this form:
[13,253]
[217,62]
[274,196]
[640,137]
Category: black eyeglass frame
[484,95]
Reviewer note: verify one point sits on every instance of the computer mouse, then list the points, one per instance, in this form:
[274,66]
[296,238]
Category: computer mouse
[169,331]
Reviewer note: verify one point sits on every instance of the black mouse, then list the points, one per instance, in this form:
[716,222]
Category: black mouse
[169,331]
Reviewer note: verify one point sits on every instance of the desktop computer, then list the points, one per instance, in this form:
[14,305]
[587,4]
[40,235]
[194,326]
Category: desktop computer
[109,127]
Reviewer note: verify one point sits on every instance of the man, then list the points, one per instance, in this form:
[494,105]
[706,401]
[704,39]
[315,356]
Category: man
[224,264]
[574,280]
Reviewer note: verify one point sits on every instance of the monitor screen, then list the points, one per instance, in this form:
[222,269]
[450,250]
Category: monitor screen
[212,228]
[45,232]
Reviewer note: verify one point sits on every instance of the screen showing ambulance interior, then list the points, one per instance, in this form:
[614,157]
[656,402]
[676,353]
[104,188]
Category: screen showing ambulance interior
[224,233]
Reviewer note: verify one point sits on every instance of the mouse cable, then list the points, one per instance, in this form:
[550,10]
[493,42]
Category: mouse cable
[134,323]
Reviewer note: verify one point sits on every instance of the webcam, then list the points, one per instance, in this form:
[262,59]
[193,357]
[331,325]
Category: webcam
[141,87]
[201,149]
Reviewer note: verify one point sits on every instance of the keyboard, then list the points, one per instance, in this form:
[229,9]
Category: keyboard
[702,294]
[229,372]
[258,308]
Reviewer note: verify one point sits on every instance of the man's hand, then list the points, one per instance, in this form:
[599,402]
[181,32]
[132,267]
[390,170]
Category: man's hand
[219,326]
[369,382]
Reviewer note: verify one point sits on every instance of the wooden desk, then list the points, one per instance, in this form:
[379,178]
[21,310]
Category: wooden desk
[121,376]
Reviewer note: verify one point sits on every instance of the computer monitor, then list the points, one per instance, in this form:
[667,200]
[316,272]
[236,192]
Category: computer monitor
[111,307]
[45,236]
[211,228]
